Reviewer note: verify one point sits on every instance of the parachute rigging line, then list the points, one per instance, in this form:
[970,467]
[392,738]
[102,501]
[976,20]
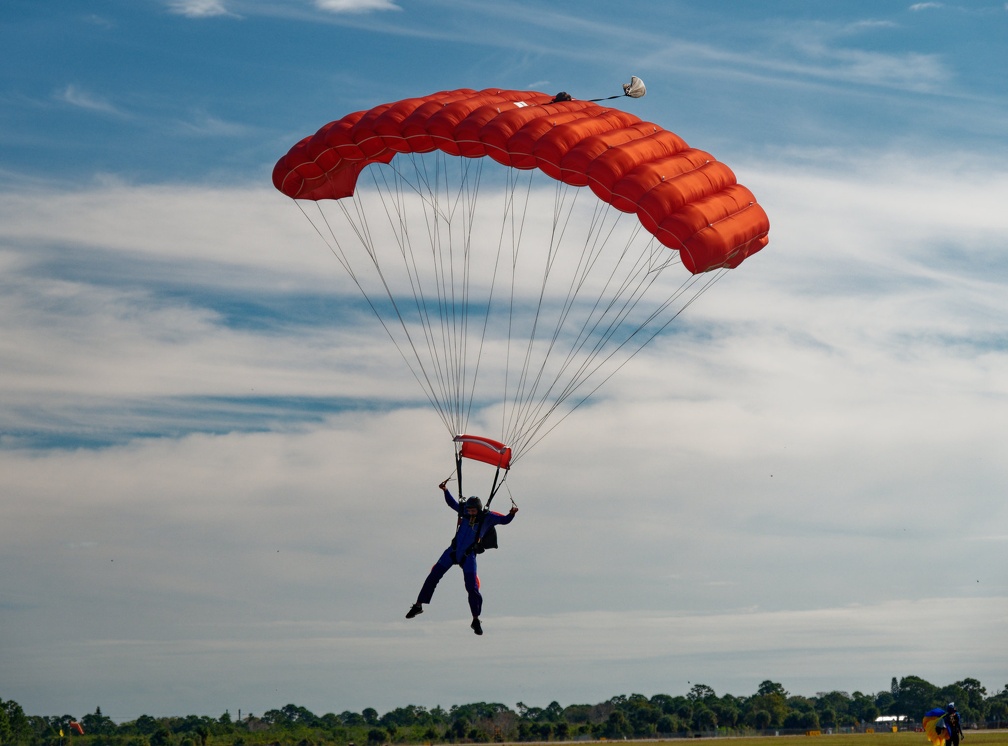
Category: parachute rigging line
[535,436]
[337,250]
[435,345]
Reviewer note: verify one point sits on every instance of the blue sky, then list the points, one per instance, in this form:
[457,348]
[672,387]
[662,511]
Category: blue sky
[198,515]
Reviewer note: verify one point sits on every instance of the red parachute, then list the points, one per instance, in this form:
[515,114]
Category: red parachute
[517,306]
[683,196]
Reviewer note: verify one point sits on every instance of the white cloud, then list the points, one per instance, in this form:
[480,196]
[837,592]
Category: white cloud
[76,96]
[202,124]
[199,8]
[355,6]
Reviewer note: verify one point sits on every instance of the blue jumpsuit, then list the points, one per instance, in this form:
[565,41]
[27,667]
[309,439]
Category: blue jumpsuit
[458,554]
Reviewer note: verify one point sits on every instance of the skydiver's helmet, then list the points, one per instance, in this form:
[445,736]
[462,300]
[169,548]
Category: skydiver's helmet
[951,707]
[474,502]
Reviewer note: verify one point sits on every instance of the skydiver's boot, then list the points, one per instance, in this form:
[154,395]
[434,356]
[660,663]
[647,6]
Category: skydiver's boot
[415,610]
[476,626]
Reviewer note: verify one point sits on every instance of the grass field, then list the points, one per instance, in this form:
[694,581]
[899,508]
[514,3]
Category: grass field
[973,738]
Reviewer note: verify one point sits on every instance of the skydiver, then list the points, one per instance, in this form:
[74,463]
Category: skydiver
[473,520]
[953,724]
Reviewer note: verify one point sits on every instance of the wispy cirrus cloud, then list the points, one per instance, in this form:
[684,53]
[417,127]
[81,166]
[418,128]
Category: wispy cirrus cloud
[76,96]
[199,8]
[355,6]
[203,124]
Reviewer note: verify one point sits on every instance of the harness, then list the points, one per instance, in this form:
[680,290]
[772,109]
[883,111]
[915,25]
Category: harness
[481,543]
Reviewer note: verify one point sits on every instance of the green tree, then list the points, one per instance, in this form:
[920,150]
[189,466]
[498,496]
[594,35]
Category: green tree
[15,727]
[863,708]
[667,725]
[616,725]
[768,688]
[5,726]
[577,714]
[969,697]
[457,731]
[885,703]
[772,698]
[553,712]
[805,719]
[727,710]
[997,711]
[838,702]
[916,696]
[704,718]
[641,715]
[828,717]
[528,713]
[162,736]
[701,693]
[97,724]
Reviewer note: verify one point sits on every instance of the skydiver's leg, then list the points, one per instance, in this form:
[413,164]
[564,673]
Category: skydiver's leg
[472,585]
[437,572]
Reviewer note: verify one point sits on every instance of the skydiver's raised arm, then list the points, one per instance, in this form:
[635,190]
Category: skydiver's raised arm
[449,499]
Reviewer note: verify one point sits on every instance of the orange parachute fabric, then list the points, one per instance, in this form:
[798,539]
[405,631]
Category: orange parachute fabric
[684,197]
[488,451]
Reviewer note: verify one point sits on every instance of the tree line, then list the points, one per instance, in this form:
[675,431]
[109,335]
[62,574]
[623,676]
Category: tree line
[700,711]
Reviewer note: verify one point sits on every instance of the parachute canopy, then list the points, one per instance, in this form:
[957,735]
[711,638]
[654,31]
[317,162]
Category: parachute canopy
[635,88]
[934,726]
[687,199]
[515,246]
